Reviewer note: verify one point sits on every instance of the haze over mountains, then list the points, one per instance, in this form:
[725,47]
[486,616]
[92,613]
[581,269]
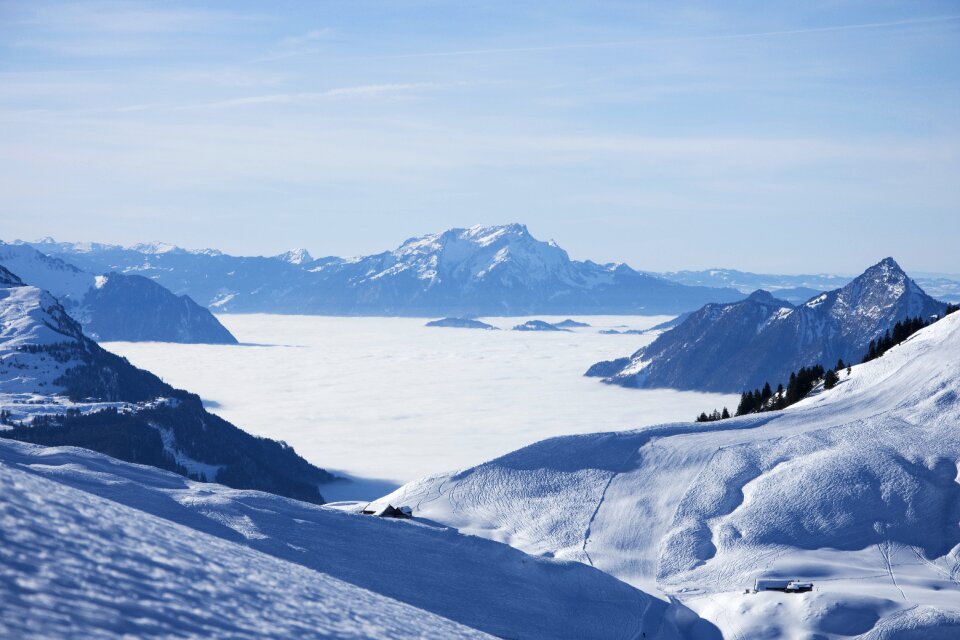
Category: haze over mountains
[742,345]
[111,306]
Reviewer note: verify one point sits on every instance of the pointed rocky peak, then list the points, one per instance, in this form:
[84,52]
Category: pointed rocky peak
[886,269]
[296,256]
[885,278]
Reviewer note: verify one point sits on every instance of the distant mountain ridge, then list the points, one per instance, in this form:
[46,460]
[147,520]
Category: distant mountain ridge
[493,271]
[797,289]
[741,345]
[59,387]
[113,306]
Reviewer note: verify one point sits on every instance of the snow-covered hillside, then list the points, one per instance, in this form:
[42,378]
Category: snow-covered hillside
[855,488]
[111,306]
[94,547]
[745,344]
[496,270]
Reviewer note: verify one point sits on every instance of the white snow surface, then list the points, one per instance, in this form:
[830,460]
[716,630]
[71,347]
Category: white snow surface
[93,547]
[855,488]
[392,399]
[28,317]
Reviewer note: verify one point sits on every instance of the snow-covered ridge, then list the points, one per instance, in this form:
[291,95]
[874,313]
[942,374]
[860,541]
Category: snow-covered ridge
[856,488]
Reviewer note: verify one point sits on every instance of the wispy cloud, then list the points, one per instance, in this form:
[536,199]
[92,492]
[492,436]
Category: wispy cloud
[310,97]
[636,42]
[307,38]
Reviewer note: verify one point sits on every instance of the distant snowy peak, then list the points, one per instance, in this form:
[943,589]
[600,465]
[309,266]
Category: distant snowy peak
[296,256]
[478,253]
[155,248]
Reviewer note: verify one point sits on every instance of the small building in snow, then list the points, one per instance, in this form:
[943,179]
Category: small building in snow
[387,511]
[782,584]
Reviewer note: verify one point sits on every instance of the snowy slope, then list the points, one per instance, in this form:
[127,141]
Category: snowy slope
[856,488]
[495,270]
[742,345]
[111,306]
[77,565]
[157,550]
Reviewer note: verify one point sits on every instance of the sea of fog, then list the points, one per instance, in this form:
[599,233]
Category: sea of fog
[391,399]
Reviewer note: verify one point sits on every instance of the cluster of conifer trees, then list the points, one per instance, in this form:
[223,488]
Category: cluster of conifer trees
[806,378]
[714,415]
[901,331]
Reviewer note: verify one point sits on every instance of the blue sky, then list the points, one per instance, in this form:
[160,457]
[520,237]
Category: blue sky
[793,137]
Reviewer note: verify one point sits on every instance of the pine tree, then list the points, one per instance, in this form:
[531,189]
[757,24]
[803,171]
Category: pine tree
[840,365]
[830,379]
[725,414]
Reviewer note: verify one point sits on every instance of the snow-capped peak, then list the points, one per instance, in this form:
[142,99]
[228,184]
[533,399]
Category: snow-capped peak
[296,256]
[155,248]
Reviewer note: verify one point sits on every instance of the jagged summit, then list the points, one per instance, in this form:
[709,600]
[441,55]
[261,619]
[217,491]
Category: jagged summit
[296,256]
[745,344]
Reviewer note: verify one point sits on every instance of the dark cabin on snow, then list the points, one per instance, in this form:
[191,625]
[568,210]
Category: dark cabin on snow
[387,511]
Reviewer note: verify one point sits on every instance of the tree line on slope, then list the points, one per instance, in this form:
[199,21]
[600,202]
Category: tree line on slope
[804,380]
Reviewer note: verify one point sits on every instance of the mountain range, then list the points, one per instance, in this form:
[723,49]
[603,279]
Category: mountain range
[742,345]
[111,306]
[498,270]
[797,289]
[59,387]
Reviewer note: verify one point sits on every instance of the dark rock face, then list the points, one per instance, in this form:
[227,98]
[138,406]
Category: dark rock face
[162,316]
[480,271]
[731,347]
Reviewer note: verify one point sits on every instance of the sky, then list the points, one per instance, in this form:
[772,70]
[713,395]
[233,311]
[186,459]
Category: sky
[773,137]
